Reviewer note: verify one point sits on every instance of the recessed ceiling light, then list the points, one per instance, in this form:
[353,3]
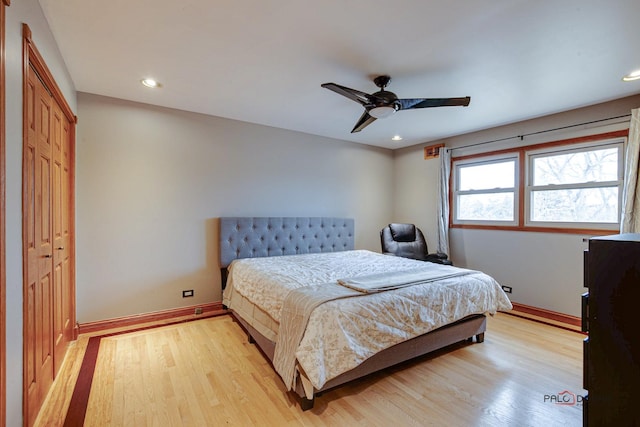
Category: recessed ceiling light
[634,75]
[150,83]
[396,138]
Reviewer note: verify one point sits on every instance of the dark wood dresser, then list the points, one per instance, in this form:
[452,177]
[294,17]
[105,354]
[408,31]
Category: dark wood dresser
[609,315]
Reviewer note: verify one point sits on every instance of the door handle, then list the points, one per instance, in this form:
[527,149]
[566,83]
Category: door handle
[61,248]
[47,256]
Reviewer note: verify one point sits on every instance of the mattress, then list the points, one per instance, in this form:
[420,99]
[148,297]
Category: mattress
[342,333]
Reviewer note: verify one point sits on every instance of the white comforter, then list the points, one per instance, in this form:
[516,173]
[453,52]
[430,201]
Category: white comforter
[343,333]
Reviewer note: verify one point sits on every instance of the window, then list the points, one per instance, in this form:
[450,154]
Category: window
[486,191]
[575,187]
[564,185]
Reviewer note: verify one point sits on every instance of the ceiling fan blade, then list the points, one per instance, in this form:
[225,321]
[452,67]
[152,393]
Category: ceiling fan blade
[408,104]
[354,95]
[364,121]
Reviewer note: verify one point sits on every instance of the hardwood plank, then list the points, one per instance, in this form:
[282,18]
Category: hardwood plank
[54,408]
[206,373]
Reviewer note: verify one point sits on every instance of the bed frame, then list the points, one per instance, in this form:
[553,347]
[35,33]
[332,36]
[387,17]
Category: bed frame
[250,237]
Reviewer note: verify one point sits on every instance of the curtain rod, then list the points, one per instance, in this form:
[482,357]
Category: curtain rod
[521,137]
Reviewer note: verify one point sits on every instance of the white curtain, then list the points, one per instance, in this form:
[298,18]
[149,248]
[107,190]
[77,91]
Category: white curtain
[630,218]
[443,200]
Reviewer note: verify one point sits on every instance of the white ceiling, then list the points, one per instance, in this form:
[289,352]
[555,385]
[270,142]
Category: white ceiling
[263,61]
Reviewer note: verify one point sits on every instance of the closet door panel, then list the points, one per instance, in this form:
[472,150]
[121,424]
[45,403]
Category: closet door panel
[40,293]
[60,344]
[30,232]
[64,250]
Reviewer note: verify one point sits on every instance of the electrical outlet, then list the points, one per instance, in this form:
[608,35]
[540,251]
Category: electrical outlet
[198,310]
[187,293]
[507,289]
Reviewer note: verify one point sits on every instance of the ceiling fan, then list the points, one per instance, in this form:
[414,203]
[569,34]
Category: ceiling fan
[384,103]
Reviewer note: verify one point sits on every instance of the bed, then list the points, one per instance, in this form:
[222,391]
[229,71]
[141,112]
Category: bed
[325,313]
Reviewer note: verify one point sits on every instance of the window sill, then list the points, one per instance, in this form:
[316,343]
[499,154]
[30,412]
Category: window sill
[590,231]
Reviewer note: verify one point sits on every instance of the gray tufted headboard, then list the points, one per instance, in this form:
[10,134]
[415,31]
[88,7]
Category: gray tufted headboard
[251,237]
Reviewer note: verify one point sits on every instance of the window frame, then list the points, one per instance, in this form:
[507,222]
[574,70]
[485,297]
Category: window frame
[491,159]
[523,178]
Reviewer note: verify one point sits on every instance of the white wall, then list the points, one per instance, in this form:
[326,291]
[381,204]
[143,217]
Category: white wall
[151,183]
[544,269]
[27,11]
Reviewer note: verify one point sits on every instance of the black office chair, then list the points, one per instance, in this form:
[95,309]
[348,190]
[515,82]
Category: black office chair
[406,240]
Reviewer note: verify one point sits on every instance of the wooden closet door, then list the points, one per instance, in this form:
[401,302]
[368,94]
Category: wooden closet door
[48,242]
[65,252]
[62,324]
[39,293]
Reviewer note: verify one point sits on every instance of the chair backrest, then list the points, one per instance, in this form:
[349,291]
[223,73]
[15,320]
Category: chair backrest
[405,240]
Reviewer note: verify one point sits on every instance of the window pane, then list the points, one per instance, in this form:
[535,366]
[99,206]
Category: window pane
[578,205]
[580,166]
[486,207]
[487,176]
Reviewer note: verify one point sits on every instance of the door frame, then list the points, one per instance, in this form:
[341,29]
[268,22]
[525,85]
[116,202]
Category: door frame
[33,59]
[3,275]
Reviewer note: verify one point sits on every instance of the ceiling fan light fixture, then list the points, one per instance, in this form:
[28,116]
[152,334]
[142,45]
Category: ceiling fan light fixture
[148,82]
[382,111]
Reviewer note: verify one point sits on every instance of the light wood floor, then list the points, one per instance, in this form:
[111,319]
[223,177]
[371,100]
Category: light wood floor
[205,373]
